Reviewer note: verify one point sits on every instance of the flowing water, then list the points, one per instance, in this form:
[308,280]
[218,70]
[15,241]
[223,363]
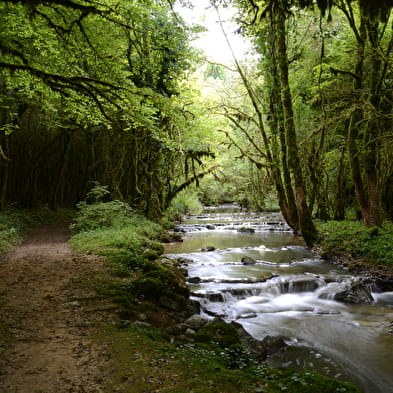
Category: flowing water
[287,289]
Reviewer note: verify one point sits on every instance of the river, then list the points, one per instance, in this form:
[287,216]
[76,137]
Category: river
[286,289]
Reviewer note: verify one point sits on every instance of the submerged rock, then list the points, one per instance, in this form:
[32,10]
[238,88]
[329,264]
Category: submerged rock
[248,261]
[208,248]
[246,230]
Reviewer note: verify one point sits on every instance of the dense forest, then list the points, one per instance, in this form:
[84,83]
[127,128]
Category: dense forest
[114,93]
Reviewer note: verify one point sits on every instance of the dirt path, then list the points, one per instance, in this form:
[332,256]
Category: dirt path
[42,303]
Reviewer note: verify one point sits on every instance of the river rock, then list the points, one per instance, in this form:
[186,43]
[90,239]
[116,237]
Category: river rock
[215,296]
[246,230]
[211,227]
[196,322]
[248,261]
[260,348]
[194,280]
[355,292]
[208,248]
[184,261]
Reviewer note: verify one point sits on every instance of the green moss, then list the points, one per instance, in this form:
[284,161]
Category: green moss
[146,361]
[150,288]
[221,333]
[352,238]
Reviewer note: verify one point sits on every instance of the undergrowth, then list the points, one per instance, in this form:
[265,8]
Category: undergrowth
[130,243]
[353,239]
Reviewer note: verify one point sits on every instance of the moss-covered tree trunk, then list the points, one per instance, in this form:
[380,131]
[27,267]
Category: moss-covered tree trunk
[363,127]
[305,219]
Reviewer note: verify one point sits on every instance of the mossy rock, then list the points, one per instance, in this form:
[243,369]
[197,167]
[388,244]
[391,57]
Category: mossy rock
[155,246]
[173,301]
[151,255]
[170,237]
[220,332]
[170,279]
[149,288]
[162,274]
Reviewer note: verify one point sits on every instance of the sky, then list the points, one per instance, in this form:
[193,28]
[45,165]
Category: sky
[213,42]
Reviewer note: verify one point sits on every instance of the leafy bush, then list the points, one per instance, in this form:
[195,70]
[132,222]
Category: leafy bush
[101,215]
[186,202]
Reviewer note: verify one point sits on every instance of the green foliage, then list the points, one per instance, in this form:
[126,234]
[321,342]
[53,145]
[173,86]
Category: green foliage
[184,203]
[11,232]
[101,215]
[352,238]
[220,333]
[129,241]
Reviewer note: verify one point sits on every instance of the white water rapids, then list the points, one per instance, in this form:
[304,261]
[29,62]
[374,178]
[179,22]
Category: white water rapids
[288,291]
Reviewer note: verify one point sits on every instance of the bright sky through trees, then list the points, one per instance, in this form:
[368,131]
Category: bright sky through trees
[213,42]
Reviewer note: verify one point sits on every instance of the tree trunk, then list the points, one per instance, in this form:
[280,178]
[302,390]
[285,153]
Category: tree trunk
[305,220]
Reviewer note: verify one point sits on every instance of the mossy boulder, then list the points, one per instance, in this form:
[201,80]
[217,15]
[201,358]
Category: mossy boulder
[218,332]
[173,301]
[149,288]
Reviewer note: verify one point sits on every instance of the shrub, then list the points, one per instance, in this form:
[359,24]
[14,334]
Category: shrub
[101,215]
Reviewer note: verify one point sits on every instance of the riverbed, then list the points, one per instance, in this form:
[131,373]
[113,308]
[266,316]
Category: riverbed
[249,267]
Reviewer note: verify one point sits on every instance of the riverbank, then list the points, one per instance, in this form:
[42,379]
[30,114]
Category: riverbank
[360,249]
[77,322]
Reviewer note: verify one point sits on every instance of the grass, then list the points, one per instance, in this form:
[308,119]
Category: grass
[145,361]
[354,240]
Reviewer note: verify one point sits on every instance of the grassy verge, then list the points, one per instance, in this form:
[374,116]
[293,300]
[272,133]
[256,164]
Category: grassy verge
[147,359]
[353,240]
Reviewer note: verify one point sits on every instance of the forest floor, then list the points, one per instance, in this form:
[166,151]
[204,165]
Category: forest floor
[46,319]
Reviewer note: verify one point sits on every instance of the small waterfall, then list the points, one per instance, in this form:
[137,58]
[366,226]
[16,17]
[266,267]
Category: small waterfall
[287,289]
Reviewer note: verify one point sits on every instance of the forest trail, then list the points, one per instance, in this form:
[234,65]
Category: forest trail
[46,311]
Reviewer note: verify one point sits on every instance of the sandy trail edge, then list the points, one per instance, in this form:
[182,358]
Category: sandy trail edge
[42,303]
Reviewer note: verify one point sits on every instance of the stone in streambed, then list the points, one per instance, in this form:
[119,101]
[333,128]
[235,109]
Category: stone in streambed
[248,261]
[356,293]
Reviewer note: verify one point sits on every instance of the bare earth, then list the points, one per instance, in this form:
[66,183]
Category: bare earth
[51,324]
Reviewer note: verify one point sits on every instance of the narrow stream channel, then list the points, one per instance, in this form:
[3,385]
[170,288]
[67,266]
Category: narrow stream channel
[287,289]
